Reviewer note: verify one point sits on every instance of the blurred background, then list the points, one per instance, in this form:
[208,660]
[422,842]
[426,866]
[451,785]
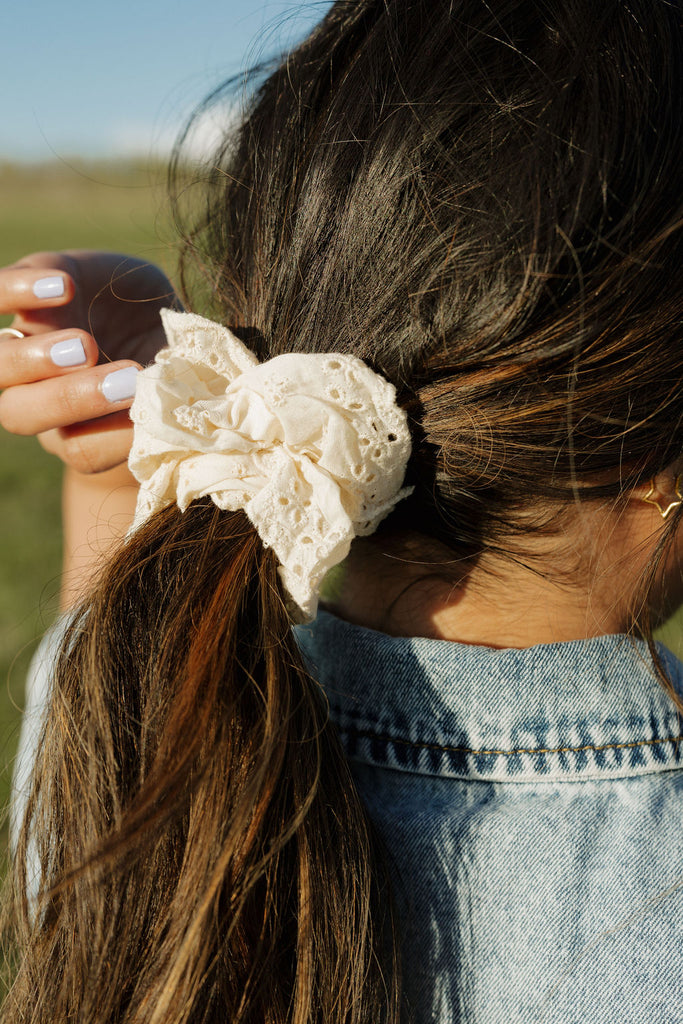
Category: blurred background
[93,97]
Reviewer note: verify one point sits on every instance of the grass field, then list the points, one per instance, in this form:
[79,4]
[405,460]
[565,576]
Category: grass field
[116,207]
[54,207]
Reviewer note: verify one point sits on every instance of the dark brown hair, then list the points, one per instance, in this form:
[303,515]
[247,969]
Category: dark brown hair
[484,202]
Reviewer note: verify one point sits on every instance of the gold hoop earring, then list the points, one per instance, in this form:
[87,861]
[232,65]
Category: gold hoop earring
[672,504]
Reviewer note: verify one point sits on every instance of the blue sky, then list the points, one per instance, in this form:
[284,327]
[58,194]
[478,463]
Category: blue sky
[98,79]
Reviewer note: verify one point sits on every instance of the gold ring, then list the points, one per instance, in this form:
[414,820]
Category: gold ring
[12,331]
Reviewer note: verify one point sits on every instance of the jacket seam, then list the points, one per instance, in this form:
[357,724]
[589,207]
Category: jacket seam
[368,734]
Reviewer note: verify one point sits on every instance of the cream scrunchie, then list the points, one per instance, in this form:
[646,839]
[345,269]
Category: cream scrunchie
[313,447]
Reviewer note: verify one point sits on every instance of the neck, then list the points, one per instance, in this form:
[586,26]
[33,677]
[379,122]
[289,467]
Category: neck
[413,587]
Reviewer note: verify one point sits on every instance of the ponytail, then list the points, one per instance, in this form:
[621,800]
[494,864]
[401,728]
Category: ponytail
[203,853]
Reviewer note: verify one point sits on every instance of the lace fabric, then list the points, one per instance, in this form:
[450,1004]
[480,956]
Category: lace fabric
[312,447]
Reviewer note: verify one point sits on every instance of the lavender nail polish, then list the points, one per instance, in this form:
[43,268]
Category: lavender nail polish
[69,352]
[48,287]
[120,385]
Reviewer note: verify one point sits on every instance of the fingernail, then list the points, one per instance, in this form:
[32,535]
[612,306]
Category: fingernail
[68,353]
[120,385]
[48,287]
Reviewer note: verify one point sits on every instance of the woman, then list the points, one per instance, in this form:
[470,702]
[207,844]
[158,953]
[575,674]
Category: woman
[483,204]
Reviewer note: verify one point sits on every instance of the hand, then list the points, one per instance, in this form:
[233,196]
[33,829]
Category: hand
[90,320]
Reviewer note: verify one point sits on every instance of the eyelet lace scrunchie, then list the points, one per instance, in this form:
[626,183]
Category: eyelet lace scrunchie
[312,447]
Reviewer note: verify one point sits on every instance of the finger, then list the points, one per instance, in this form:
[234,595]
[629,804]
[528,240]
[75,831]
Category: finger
[93,446]
[32,288]
[62,401]
[40,356]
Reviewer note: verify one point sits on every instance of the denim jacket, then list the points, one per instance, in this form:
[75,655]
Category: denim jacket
[531,803]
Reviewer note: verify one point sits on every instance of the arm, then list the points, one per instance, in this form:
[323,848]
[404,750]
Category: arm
[97,510]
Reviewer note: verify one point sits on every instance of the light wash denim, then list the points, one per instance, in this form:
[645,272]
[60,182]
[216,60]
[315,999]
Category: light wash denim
[531,802]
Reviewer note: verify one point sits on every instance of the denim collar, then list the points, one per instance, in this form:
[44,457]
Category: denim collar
[555,712]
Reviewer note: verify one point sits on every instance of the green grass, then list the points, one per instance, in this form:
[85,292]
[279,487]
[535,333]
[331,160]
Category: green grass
[61,206]
[118,207]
